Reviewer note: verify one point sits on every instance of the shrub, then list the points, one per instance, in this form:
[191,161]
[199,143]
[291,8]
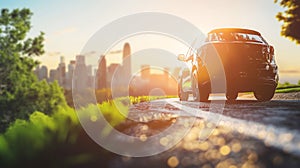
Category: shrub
[24,141]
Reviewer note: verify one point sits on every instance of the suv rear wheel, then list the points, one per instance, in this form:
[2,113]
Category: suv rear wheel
[204,94]
[264,93]
[231,95]
[183,96]
[195,88]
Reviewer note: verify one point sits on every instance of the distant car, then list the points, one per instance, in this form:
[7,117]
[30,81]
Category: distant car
[248,62]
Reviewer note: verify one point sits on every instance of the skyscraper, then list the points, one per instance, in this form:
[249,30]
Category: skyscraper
[53,75]
[62,72]
[127,59]
[111,69]
[101,73]
[80,60]
[80,77]
[43,73]
[89,70]
[71,68]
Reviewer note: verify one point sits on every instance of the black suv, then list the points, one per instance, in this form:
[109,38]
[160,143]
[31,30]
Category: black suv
[248,65]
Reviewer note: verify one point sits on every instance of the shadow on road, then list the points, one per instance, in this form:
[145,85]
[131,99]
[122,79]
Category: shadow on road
[230,101]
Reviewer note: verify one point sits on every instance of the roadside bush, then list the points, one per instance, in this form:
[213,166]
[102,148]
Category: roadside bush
[56,140]
[25,141]
[40,96]
[103,95]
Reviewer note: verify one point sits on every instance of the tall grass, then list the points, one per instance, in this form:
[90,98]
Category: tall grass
[25,139]
[288,87]
[33,142]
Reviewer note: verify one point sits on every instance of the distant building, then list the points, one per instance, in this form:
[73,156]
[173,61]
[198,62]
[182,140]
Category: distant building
[111,69]
[71,67]
[53,75]
[101,73]
[80,60]
[148,81]
[89,69]
[84,75]
[127,60]
[81,77]
[90,80]
[41,72]
[61,70]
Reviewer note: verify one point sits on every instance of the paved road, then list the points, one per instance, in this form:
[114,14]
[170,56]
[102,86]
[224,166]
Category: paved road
[243,133]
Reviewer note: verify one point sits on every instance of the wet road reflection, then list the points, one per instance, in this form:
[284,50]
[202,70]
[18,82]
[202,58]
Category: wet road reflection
[247,134]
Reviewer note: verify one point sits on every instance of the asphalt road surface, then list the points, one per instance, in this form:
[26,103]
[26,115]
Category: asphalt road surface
[242,133]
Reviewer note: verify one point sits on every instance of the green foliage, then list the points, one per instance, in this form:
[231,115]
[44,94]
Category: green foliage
[40,96]
[44,97]
[30,143]
[290,18]
[25,140]
[114,112]
[14,27]
[20,92]
[58,140]
[139,99]
[103,95]
[69,97]
[288,90]
[285,84]
[287,87]
[16,63]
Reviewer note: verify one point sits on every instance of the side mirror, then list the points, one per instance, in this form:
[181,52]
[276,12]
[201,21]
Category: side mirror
[181,57]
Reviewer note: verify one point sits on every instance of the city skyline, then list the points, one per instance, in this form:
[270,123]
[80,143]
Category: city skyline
[84,19]
[79,75]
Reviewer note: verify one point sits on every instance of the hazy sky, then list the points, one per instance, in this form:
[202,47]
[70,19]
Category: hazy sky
[69,24]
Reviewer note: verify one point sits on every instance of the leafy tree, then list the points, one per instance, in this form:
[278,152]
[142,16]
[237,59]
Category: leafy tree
[20,92]
[291,19]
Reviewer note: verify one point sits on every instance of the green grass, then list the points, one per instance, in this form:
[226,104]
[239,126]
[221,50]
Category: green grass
[25,139]
[288,88]
[33,140]
[139,99]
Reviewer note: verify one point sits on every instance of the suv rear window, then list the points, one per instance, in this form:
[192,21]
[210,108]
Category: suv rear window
[235,36]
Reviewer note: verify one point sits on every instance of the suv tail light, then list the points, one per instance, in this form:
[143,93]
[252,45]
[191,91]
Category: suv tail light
[265,52]
[272,50]
[272,59]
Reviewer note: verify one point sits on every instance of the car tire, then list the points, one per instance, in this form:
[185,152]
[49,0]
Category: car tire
[231,96]
[183,96]
[203,94]
[195,88]
[264,93]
